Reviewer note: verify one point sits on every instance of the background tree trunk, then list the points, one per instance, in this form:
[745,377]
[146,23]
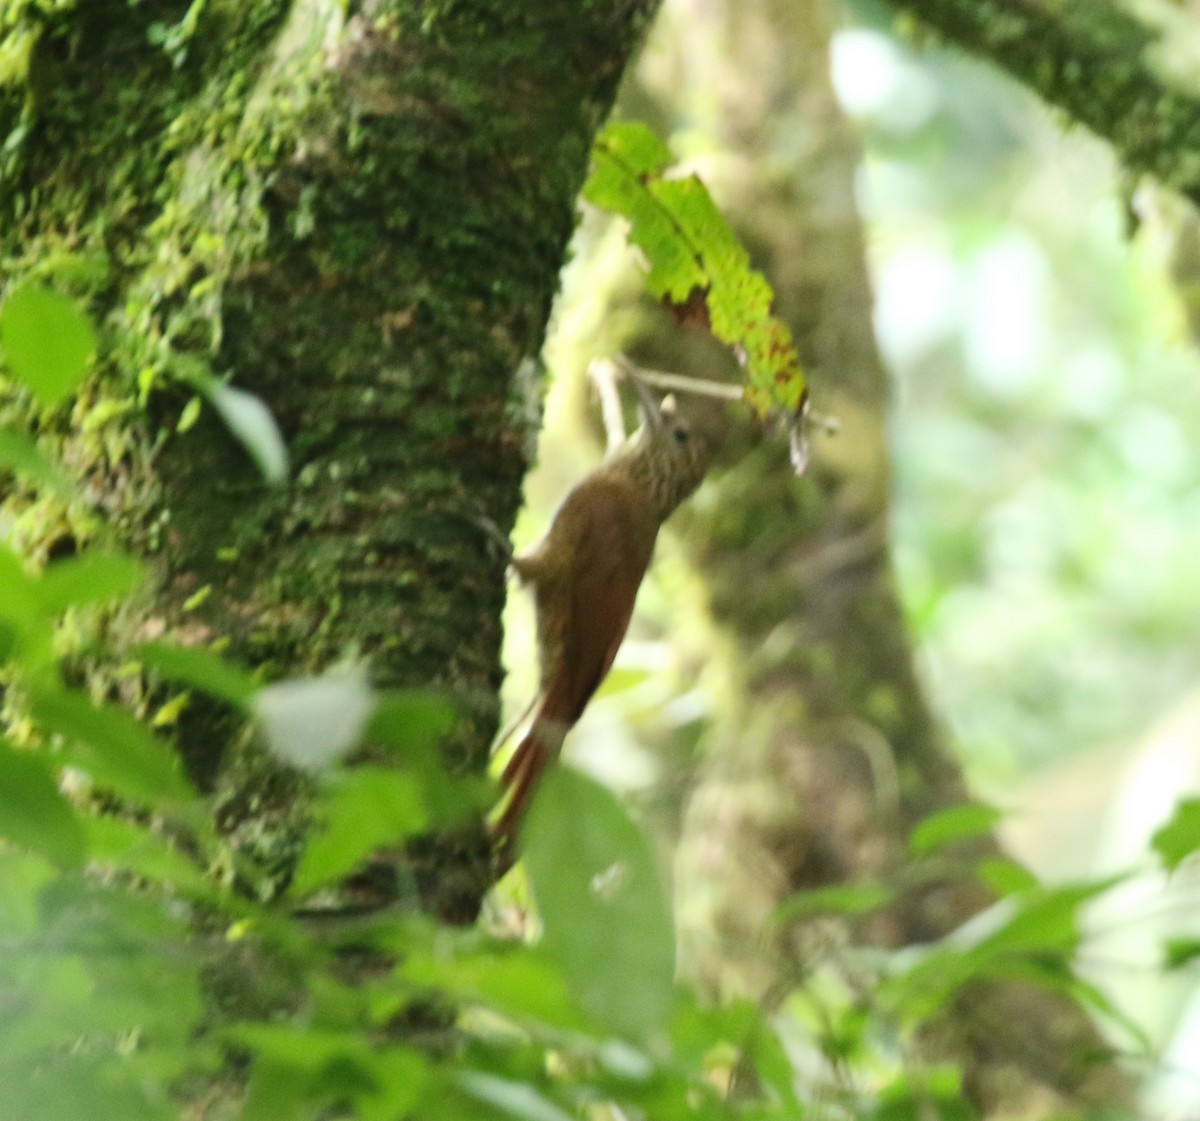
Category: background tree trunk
[828,755]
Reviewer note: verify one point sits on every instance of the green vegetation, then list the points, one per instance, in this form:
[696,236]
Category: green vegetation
[696,264]
[139,973]
[172,947]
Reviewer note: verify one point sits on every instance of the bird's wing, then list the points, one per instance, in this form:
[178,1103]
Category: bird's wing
[614,547]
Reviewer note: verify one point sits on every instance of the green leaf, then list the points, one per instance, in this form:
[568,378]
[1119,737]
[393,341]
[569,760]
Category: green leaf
[1180,837]
[841,899]
[24,634]
[1005,876]
[32,812]
[1029,935]
[275,1091]
[413,723]
[1044,919]
[74,1086]
[605,916]
[927,981]
[47,341]
[249,420]
[1041,921]
[131,847]
[520,983]
[306,1048]
[518,1099]
[133,948]
[368,808]
[696,262]
[112,747]
[931,1093]
[20,454]
[410,719]
[955,823]
[90,578]
[201,669]
[695,1027]
[23,876]
[1178,952]
[299,1066]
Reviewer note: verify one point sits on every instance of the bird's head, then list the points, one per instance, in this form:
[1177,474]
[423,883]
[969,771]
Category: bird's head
[679,439]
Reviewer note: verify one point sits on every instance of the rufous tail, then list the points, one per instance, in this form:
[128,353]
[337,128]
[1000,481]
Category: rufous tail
[539,747]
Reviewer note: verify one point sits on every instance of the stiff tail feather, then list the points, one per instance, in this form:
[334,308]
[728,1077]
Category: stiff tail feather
[539,747]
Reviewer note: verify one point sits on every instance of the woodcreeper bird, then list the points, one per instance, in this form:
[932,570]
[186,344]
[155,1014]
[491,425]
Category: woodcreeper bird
[586,571]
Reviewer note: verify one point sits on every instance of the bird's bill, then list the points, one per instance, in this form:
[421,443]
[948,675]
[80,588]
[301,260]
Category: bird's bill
[648,402]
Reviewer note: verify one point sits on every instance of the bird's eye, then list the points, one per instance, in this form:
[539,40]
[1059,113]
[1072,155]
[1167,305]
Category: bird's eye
[681,435]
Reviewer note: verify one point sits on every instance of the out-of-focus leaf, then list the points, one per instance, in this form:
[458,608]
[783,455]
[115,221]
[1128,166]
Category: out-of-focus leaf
[367,808]
[201,669]
[249,419]
[1030,935]
[275,1090]
[410,719]
[304,1048]
[1180,837]
[90,578]
[1178,952]
[298,1067]
[605,916]
[23,875]
[133,949]
[412,723]
[32,812]
[1005,876]
[18,595]
[955,823]
[133,848]
[842,899]
[519,1099]
[1093,997]
[20,454]
[71,1086]
[47,340]
[522,984]
[112,747]
[310,722]
[695,1028]
[1042,920]
[931,1092]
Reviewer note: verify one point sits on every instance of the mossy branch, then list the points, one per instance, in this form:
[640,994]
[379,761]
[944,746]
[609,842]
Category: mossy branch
[1094,61]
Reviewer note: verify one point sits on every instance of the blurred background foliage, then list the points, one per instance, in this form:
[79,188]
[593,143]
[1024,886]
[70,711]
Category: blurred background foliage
[1044,530]
[1046,397]
[1046,484]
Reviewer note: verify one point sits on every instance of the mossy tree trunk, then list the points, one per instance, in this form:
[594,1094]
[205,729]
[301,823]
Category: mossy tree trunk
[360,218]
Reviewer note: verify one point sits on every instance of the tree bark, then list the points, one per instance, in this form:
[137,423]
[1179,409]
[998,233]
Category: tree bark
[361,220]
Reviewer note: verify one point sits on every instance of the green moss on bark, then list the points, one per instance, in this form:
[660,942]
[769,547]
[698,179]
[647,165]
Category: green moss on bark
[359,218]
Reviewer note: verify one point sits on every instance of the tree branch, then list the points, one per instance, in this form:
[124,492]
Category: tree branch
[1091,61]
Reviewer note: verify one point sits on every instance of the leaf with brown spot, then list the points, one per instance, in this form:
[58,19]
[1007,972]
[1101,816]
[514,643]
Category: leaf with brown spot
[695,263]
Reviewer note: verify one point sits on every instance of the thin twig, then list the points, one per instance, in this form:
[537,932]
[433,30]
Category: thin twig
[702,387]
[604,373]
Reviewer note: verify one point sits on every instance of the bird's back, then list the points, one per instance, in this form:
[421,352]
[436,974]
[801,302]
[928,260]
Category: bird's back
[606,535]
